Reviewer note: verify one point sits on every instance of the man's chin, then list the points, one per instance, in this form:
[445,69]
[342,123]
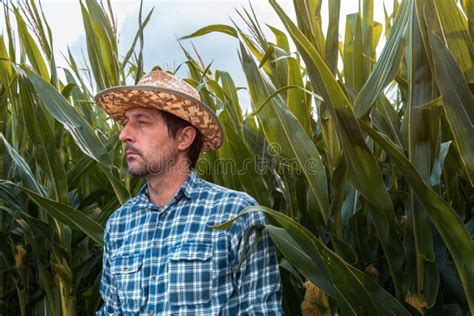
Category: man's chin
[138,174]
[137,171]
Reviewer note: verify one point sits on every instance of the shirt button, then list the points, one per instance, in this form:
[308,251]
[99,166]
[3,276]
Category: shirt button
[150,312]
[153,276]
[125,268]
[163,213]
[155,243]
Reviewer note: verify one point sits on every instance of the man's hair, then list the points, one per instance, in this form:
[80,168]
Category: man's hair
[174,124]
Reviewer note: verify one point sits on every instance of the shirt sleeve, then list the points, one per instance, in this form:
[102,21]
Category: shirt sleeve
[108,288]
[258,279]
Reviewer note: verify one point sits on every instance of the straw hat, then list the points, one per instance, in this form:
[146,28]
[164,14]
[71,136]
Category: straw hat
[163,91]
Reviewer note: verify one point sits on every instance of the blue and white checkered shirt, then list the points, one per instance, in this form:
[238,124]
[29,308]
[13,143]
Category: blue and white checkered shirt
[168,261]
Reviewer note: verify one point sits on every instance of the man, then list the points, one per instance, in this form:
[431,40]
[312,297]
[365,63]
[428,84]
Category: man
[160,255]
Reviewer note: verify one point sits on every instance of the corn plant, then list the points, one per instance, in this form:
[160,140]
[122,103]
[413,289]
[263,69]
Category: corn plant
[371,217]
[363,164]
[61,163]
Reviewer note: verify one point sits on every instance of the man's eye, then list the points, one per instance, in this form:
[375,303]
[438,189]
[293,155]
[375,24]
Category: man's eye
[142,122]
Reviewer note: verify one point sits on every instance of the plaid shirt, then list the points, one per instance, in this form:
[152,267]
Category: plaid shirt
[168,261]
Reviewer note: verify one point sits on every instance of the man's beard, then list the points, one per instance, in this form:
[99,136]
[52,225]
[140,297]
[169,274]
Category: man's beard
[151,167]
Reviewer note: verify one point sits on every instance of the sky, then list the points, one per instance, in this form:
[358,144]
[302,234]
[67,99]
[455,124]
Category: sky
[177,18]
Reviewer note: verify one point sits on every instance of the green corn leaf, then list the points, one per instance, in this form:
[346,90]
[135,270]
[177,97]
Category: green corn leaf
[352,57]
[355,291]
[101,45]
[368,50]
[62,212]
[308,16]
[281,38]
[120,190]
[458,101]
[447,21]
[6,70]
[332,37]
[420,83]
[135,40]
[386,119]
[283,130]
[41,131]
[22,168]
[239,163]
[468,6]
[44,276]
[62,111]
[330,138]
[30,47]
[267,55]
[259,107]
[435,103]
[443,216]
[363,171]
[230,92]
[435,178]
[220,28]
[387,65]
[296,98]
[377,32]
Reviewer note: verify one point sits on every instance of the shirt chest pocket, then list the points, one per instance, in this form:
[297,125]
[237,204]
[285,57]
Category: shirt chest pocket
[190,274]
[127,273]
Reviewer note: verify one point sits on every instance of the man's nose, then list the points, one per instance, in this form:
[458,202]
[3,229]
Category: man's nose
[125,134]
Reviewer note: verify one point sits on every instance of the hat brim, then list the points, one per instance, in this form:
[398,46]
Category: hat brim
[115,101]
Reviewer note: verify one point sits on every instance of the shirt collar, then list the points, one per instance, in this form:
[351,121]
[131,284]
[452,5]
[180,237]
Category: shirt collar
[189,188]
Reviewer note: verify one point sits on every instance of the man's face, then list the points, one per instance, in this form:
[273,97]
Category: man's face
[149,149]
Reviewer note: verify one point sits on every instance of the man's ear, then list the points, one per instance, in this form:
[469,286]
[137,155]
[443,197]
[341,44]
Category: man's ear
[186,137]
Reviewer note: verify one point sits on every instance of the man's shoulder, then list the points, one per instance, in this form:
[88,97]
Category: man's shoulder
[228,204]
[123,213]
[224,195]
[224,203]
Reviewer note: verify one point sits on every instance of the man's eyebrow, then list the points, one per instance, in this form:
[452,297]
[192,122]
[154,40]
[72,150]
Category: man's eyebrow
[137,116]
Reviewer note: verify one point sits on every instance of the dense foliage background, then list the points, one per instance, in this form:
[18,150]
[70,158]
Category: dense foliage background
[364,164]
